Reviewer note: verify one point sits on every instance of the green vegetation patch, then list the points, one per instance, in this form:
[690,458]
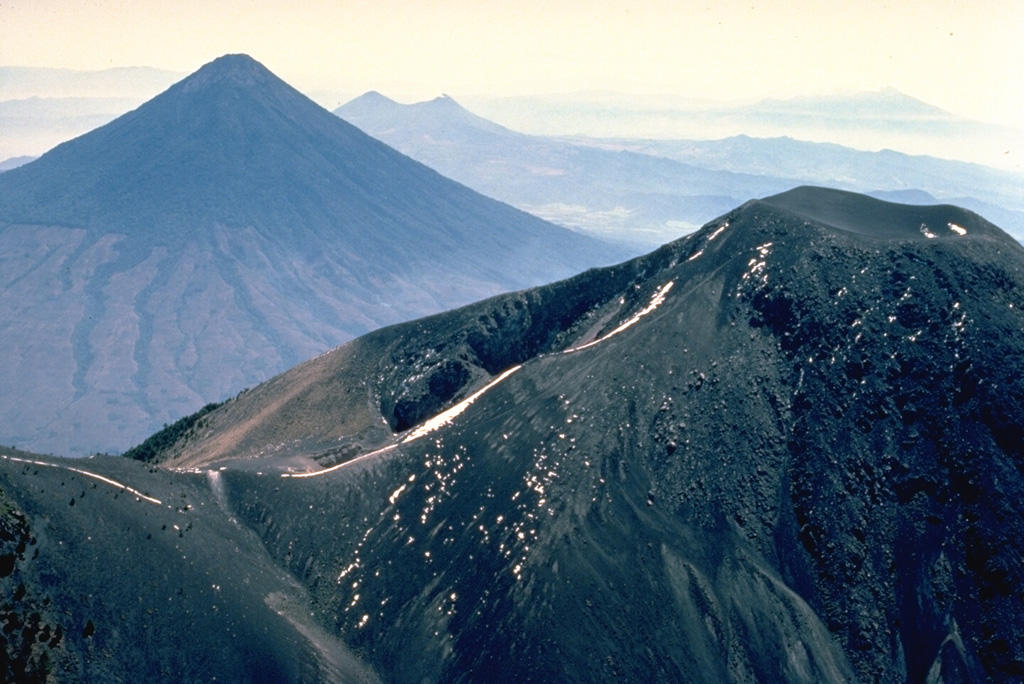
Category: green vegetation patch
[151,450]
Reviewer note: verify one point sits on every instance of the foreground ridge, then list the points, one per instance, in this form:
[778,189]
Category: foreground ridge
[785,448]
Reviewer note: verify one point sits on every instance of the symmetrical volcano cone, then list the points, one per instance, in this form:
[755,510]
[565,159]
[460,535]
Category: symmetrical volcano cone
[220,233]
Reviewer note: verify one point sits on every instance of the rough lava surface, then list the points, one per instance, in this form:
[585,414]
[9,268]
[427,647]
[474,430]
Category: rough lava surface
[786,448]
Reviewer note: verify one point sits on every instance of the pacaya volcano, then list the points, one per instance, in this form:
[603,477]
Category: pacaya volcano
[787,448]
[219,234]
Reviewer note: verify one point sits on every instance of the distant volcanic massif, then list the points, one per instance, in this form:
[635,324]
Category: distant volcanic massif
[650,191]
[619,195]
[219,234]
[786,448]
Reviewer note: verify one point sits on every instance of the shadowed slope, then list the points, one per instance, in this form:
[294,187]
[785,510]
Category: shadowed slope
[774,451]
[798,426]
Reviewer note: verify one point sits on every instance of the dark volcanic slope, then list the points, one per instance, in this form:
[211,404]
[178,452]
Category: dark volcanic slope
[219,234]
[103,584]
[784,449]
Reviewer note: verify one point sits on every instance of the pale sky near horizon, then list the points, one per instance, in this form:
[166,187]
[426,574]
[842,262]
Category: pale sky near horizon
[966,57]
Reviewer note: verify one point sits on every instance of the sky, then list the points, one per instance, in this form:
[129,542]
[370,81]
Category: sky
[966,57]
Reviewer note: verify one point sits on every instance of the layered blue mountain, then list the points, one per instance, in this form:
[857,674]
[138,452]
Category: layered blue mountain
[786,448]
[218,234]
[996,194]
[649,191]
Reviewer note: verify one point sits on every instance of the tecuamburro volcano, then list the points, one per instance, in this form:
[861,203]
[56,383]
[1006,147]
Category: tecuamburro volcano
[220,233]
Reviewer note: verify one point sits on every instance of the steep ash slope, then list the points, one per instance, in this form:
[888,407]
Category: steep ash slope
[784,449]
[115,572]
[800,461]
[217,235]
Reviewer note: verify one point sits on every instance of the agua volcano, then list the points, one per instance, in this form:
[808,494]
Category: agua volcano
[217,235]
[786,448]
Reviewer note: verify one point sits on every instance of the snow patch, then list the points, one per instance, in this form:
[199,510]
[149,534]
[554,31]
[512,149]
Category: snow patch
[341,465]
[446,417]
[395,494]
[718,232]
[657,300]
[957,229]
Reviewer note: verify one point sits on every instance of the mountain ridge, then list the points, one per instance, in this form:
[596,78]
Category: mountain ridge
[841,215]
[785,448]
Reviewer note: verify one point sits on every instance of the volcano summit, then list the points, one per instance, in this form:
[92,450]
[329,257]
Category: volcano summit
[786,448]
[217,235]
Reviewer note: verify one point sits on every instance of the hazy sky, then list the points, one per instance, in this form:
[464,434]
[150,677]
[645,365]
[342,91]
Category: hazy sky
[967,57]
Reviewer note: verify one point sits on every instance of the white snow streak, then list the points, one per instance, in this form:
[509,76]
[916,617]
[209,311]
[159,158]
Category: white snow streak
[718,232]
[395,494]
[957,229]
[426,428]
[448,416]
[341,465]
[95,476]
[656,301]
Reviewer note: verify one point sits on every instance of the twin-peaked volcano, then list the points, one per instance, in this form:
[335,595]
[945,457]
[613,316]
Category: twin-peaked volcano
[218,234]
[638,199]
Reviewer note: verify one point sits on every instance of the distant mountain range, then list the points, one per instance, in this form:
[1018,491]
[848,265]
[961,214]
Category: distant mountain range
[786,448]
[868,120]
[648,191]
[15,162]
[42,107]
[641,200]
[243,169]
[600,193]
[218,234]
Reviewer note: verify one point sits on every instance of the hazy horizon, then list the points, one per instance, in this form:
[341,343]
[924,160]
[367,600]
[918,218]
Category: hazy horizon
[966,60]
